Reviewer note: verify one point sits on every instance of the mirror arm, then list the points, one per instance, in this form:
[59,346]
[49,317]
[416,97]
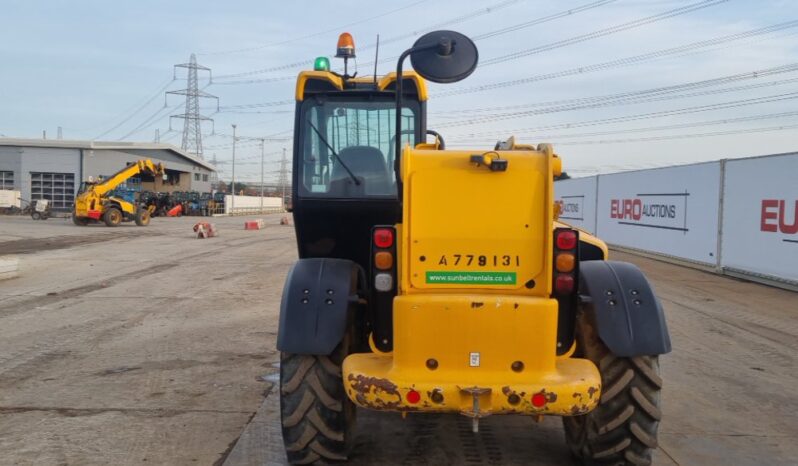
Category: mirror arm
[399,79]
[439,139]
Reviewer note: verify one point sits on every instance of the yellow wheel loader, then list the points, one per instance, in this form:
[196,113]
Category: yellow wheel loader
[94,204]
[439,281]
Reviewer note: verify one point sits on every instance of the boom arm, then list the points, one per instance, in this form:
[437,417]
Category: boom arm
[142,166]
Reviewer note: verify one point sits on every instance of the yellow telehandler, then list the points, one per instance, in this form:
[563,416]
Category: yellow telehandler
[434,281]
[93,202]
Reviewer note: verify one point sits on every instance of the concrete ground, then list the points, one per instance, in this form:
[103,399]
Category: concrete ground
[147,346]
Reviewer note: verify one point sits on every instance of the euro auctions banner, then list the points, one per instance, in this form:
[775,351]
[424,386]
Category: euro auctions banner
[760,216]
[672,211]
[576,199]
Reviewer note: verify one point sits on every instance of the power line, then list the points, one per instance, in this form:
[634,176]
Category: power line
[275,103]
[604,32]
[490,34]
[725,121]
[683,136]
[652,95]
[137,109]
[544,19]
[665,90]
[476,13]
[633,60]
[150,120]
[516,27]
[315,34]
[581,38]
[456,20]
[664,113]
[253,81]
[668,137]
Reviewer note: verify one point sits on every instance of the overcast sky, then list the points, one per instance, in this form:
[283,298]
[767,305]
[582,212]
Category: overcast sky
[99,69]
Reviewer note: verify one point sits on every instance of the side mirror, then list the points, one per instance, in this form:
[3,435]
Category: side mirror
[438,56]
[444,56]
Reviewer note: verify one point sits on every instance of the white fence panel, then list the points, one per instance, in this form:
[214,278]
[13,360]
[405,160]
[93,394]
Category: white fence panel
[760,216]
[671,211]
[577,200]
[251,203]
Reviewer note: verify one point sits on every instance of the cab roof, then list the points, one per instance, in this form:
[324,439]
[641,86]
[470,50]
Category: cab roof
[312,82]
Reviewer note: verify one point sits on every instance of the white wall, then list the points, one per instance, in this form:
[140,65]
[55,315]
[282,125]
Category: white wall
[251,202]
[760,216]
[577,200]
[672,211]
[675,211]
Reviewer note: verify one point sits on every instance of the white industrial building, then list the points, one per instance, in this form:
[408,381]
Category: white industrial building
[54,169]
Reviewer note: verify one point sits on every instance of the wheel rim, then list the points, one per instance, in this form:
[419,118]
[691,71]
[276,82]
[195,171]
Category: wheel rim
[115,217]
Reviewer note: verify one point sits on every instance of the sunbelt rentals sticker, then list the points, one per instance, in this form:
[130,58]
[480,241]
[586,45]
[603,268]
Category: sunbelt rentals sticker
[471,278]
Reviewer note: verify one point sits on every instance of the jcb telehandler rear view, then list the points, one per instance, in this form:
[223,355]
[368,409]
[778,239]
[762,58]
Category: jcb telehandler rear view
[436,281]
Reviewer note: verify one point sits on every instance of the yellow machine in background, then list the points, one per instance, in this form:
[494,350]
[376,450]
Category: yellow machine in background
[94,204]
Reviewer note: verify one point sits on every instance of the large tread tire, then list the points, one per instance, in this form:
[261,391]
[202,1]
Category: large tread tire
[623,427]
[142,217]
[317,417]
[112,217]
[79,221]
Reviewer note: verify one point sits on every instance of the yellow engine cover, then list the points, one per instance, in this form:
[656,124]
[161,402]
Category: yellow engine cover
[475,327]
[467,227]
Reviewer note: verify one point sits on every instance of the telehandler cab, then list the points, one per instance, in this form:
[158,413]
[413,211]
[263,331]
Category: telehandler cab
[94,202]
[434,280]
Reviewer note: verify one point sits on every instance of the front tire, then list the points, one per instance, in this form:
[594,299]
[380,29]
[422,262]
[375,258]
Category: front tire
[112,217]
[622,429]
[317,417]
[142,217]
[36,215]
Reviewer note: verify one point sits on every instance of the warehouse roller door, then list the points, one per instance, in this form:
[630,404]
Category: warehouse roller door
[58,188]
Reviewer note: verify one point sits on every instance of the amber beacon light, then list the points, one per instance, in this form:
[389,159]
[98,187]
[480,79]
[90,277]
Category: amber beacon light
[346,46]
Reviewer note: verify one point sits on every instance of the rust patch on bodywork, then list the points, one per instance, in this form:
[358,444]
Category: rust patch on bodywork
[476,305]
[375,393]
[551,397]
[592,391]
[577,410]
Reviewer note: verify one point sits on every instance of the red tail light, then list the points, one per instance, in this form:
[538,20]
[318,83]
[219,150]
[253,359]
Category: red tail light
[564,284]
[566,239]
[566,261]
[539,400]
[383,237]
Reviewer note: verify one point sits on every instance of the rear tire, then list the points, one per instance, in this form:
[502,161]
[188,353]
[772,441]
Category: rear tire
[112,217]
[36,216]
[317,417]
[623,427]
[142,217]
[79,221]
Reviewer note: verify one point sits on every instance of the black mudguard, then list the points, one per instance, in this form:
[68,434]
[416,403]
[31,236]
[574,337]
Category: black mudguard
[317,296]
[628,315]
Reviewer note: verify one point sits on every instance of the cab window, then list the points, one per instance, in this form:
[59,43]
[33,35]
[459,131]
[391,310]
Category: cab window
[348,147]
